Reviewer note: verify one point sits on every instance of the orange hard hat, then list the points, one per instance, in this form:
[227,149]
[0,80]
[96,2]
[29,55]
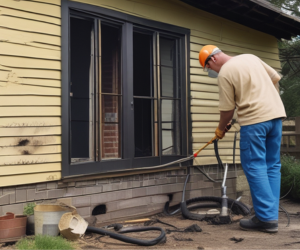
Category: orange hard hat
[206,53]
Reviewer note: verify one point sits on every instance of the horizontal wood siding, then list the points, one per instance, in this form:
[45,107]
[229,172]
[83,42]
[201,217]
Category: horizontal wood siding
[30,79]
[30,91]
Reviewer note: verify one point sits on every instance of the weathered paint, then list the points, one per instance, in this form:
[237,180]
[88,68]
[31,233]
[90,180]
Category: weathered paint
[30,79]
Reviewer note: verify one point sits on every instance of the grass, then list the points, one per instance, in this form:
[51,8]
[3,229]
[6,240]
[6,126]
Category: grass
[44,242]
[290,176]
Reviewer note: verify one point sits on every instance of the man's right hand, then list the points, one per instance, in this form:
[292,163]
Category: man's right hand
[221,133]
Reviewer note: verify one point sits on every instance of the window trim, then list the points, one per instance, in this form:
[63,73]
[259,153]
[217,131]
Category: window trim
[128,162]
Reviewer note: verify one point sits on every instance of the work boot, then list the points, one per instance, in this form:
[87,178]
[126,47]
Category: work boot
[254,224]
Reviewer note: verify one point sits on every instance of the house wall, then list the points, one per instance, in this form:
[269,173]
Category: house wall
[30,79]
[30,102]
[30,110]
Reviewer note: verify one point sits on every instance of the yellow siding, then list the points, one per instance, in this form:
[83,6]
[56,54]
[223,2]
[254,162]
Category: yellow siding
[30,79]
[30,178]
[17,141]
[30,91]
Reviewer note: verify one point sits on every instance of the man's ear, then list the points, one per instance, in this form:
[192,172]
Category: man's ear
[213,59]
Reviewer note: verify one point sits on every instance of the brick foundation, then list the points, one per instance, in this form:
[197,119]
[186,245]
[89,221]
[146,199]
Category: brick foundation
[124,197]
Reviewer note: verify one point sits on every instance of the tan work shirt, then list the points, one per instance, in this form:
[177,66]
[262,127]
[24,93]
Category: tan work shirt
[246,82]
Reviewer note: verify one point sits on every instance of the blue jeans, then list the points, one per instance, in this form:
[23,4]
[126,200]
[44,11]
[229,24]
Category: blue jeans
[260,158]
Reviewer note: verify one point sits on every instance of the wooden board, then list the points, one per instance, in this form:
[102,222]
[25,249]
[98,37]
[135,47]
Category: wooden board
[204,79]
[206,137]
[29,25]
[204,95]
[229,48]
[221,144]
[13,73]
[30,101]
[205,117]
[54,2]
[205,124]
[31,16]
[11,122]
[209,160]
[29,111]
[34,7]
[268,44]
[12,180]
[15,49]
[272,62]
[204,87]
[212,129]
[22,37]
[29,140]
[12,87]
[34,168]
[41,82]
[204,110]
[30,131]
[30,150]
[198,71]
[209,151]
[207,103]
[29,159]
[32,63]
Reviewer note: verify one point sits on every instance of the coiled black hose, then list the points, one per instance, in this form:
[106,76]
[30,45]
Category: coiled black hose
[129,239]
[236,206]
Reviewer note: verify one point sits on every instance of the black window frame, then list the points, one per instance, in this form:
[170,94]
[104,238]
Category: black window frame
[128,22]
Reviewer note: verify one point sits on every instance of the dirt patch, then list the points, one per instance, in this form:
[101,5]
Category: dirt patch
[23,142]
[228,236]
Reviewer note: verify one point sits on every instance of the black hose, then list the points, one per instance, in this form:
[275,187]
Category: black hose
[129,239]
[287,215]
[234,146]
[217,153]
[204,205]
[206,175]
[237,207]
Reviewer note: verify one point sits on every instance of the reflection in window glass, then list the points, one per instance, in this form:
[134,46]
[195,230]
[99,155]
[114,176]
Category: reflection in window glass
[168,61]
[143,95]
[81,92]
[171,136]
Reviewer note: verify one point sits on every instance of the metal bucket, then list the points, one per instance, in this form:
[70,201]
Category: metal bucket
[46,218]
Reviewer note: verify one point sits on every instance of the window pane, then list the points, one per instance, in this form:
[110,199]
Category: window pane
[110,59]
[167,81]
[143,127]
[81,124]
[170,110]
[171,135]
[167,51]
[171,139]
[142,64]
[111,111]
[168,68]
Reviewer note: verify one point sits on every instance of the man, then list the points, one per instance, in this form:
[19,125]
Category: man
[248,84]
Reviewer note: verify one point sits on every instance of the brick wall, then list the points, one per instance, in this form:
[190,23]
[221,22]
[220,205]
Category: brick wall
[125,197]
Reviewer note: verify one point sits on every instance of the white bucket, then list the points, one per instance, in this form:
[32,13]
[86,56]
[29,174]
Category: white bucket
[46,218]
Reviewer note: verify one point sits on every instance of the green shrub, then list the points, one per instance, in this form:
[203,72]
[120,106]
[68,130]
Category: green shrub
[40,242]
[29,209]
[290,176]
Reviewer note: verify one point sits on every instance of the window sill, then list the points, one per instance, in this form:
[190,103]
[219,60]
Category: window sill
[120,173]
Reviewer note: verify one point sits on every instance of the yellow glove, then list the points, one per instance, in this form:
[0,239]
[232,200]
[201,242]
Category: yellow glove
[219,133]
